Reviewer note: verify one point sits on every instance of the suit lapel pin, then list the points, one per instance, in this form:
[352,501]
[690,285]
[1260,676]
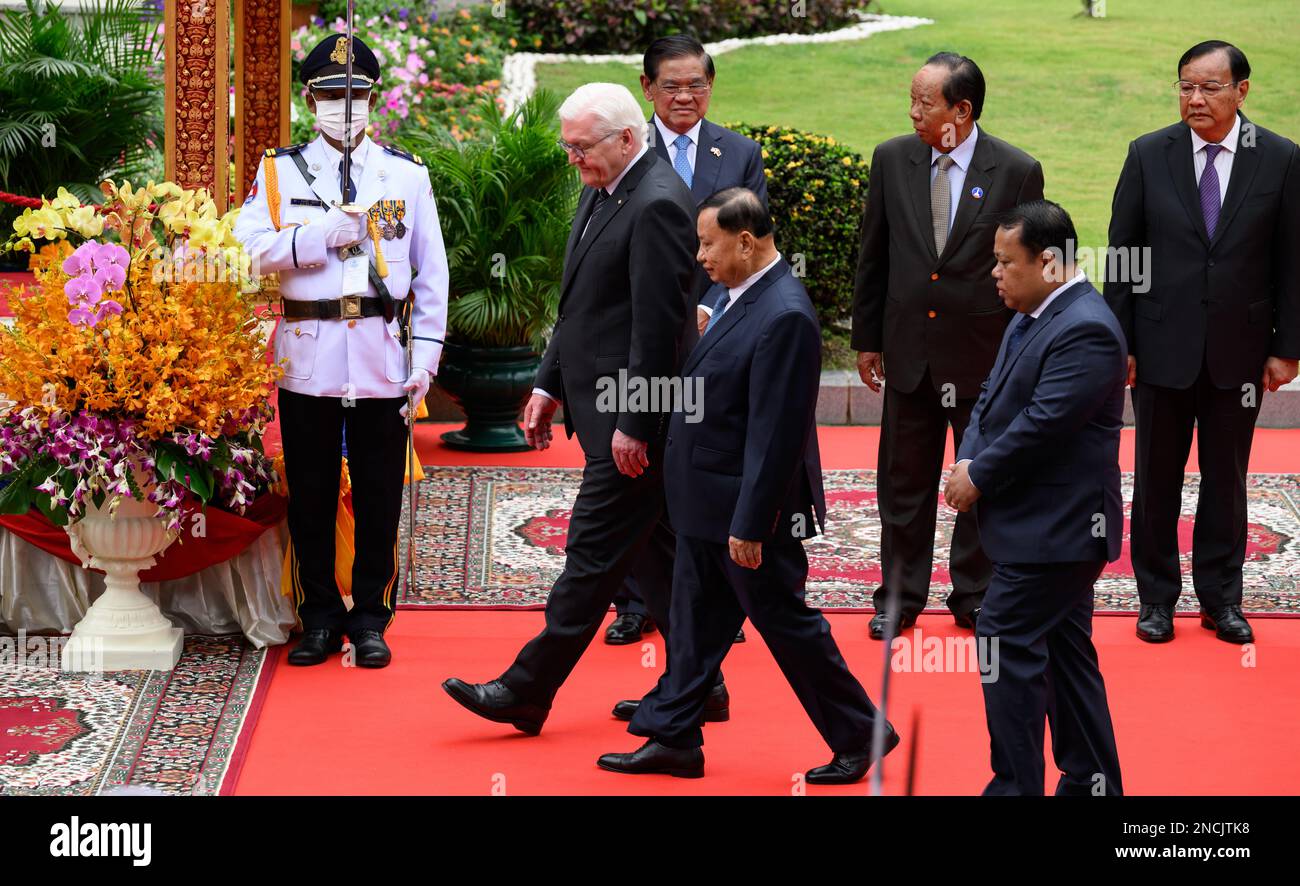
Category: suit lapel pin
[977,193]
[715,151]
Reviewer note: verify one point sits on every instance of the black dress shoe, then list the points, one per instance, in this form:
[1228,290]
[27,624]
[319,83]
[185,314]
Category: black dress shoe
[652,758]
[371,650]
[1228,624]
[1155,623]
[628,628]
[717,707]
[850,768]
[315,646]
[494,701]
[877,625]
[967,619]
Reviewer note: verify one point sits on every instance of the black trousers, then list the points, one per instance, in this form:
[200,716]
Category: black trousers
[1040,615]
[628,598]
[913,430]
[1225,425]
[711,598]
[312,429]
[615,518]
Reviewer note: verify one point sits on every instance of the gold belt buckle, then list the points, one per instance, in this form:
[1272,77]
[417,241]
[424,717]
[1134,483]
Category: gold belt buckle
[351,306]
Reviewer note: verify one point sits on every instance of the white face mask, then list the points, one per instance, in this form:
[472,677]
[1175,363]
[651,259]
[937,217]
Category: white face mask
[330,114]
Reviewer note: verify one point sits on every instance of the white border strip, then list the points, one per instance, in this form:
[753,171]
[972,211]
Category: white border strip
[519,73]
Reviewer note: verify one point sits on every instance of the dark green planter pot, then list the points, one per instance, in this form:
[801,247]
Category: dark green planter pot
[491,385]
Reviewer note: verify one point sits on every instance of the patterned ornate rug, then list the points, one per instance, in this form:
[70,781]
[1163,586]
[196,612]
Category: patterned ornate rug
[131,732]
[494,538]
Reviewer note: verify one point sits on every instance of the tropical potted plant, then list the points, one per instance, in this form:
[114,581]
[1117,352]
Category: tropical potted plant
[506,199]
[82,100]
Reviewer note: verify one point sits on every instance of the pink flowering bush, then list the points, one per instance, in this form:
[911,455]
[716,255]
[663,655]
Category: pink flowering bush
[434,71]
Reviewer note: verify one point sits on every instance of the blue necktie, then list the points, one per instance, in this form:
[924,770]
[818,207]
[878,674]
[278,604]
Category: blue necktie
[351,195]
[682,163]
[1022,326]
[1210,203]
[719,306]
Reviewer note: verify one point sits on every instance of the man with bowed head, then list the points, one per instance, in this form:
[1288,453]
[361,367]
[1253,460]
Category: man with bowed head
[1039,470]
[625,293]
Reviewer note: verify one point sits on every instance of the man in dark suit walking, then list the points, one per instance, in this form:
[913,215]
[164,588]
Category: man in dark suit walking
[926,316]
[1214,203]
[1039,464]
[744,489]
[624,299]
[678,79]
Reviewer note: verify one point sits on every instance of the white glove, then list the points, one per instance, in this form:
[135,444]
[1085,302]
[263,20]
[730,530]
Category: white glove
[418,382]
[343,228]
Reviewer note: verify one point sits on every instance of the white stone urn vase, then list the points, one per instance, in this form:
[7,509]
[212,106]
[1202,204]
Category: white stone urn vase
[123,629]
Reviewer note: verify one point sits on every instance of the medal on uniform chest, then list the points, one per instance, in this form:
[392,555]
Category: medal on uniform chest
[401,211]
[389,230]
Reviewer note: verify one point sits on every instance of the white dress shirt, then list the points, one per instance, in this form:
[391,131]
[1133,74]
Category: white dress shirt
[359,154]
[1038,311]
[736,292]
[961,157]
[669,137]
[1222,163]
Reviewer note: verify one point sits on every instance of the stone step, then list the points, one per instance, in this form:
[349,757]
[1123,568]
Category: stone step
[845,400]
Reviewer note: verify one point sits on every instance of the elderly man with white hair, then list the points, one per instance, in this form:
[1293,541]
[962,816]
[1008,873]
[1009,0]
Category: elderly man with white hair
[625,299]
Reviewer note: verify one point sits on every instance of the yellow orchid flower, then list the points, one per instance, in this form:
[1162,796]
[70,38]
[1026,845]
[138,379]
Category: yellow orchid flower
[85,221]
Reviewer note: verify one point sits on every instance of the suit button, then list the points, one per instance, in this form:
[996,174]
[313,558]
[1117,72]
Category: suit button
[670,441]
[1211,263]
[934,276]
[932,315]
[981,427]
[352,324]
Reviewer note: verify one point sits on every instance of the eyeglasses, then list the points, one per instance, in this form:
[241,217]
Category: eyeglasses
[695,89]
[580,153]
[1209,89]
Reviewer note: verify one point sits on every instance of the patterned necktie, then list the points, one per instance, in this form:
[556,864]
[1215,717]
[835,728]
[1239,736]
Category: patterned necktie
[596,207]
[1018,333]
[351,195]
[941,203]
[682,162]
[1210,204]
[719,305]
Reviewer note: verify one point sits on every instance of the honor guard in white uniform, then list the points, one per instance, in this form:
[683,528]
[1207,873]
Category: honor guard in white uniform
[357,270]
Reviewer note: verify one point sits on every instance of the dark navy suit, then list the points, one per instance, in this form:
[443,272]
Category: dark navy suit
[749,468]
[723,159]
[1044,442]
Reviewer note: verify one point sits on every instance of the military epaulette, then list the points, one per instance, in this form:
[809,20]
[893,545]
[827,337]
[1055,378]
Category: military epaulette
[285,151]
[398,152]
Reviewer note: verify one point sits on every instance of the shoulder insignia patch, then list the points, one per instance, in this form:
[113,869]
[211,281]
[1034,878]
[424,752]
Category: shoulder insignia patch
[398,152]
[285,151]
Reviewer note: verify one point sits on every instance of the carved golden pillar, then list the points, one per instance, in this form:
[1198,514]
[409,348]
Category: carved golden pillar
[261,84]
[197,55]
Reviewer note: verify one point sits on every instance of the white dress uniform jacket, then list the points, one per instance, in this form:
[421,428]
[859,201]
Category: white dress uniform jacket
[348,358]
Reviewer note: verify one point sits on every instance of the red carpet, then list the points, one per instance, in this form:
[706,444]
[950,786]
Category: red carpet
[1189,718]
[842,447]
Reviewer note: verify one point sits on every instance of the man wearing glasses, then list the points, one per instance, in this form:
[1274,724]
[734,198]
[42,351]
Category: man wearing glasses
[628,271]
[1216,200]
[677,78]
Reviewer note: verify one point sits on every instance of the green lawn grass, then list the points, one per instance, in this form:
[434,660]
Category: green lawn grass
[1069,90]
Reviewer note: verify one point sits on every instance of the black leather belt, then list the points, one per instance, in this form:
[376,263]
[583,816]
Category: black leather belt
[348,307]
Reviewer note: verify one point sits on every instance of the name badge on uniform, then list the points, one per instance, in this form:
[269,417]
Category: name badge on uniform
[355,273]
